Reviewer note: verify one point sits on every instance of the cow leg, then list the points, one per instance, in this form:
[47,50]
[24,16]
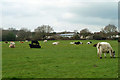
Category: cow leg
[105,55]
[100,53]
[110,54]
[100,56]
[113,56]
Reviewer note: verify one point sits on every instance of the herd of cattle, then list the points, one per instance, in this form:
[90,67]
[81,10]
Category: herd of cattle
[102,47]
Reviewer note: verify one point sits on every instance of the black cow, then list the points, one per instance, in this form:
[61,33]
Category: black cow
[77,43]
[37,43]
[90,42]
[94,45]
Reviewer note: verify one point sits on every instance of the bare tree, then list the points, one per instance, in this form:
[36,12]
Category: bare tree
[11,29]
[44,29]
[109,28]
[85,32]
[24,34]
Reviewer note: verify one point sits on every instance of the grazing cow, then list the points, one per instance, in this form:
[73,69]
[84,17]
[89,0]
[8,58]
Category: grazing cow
[6,42]
[104,47]
[26,40]
[81,42]
[89,42]
[77,43]
[55,43]
[71,42]
[12,44]
[21,42]
[45,41]
[37,43]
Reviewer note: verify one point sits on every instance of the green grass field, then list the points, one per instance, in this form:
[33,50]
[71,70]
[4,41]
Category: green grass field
[58,61]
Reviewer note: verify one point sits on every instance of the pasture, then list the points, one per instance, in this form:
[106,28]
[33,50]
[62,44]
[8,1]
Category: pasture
[58,61]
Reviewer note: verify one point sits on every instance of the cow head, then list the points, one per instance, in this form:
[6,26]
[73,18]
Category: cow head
[113,53]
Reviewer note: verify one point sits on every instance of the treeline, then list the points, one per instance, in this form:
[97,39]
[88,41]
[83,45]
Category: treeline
[40,33]
[47,32]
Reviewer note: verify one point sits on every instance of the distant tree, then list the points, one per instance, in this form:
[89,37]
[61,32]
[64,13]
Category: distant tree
[75,31]
[54,33]
[110,30]
[11,29]
[24,34]
[99,36]
[25,29]
[42,31]
[8,35]
[76,36]
[119,33]
[39,36]
[85,32]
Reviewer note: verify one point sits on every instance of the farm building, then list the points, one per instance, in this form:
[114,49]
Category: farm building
[67,35]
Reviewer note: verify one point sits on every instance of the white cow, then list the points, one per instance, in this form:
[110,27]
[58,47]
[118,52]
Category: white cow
[55,43]
[12,44]
[45,41]
[89,42]
[71,42]
[26,40]
[104,47]
[81,42]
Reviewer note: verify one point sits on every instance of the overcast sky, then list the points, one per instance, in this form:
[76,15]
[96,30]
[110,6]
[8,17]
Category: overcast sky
[62,15]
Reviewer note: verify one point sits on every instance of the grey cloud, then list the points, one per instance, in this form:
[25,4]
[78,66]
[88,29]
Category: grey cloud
[94,13]
[107,10]
[91,13]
